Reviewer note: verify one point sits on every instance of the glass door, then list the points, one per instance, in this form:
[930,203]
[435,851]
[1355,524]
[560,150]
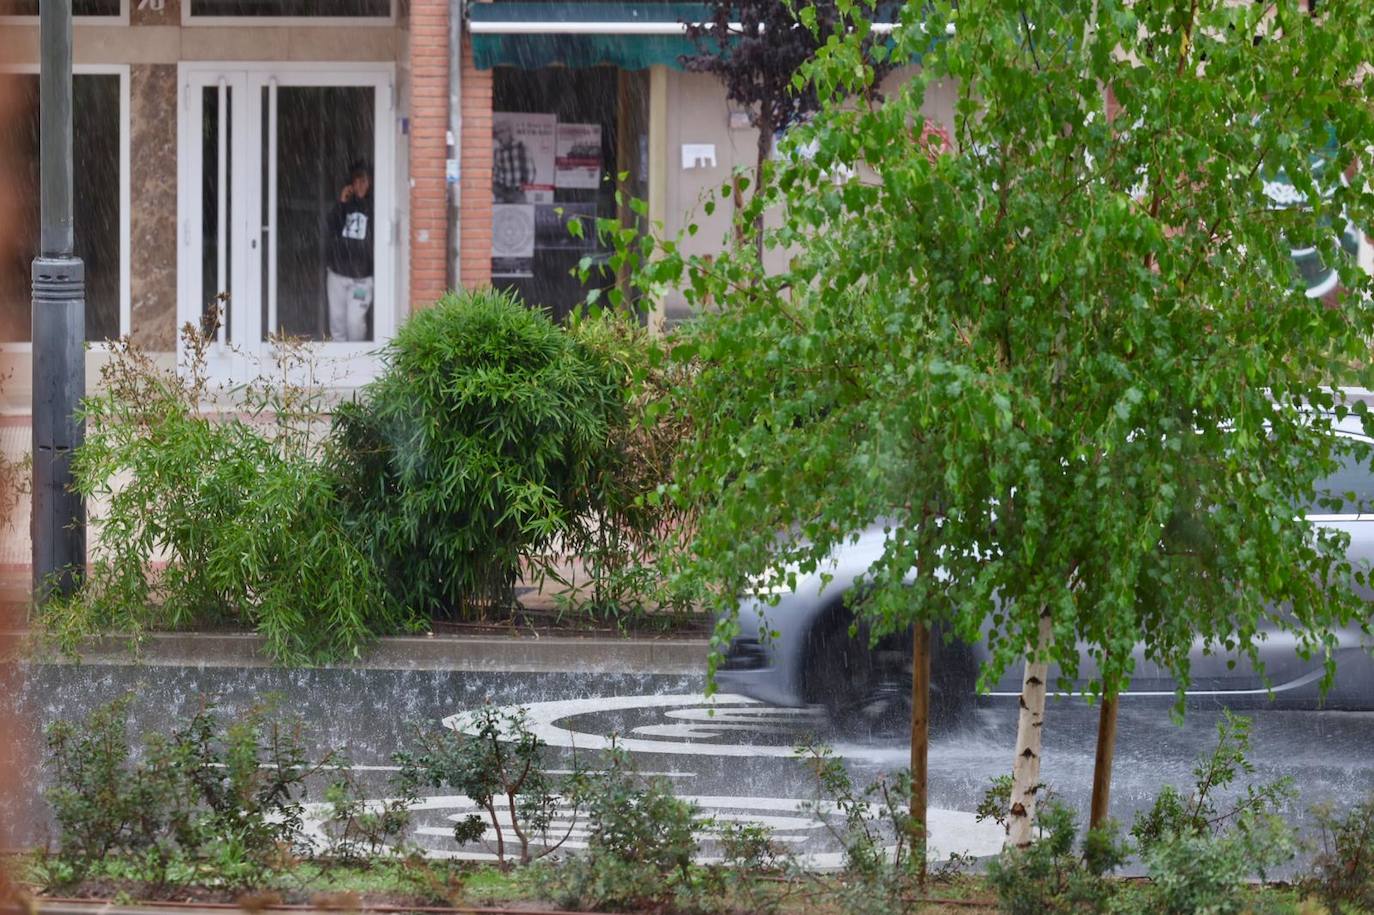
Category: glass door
[287,205]
[214,228]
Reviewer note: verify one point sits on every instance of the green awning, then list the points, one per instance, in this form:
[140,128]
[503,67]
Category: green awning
[632,36]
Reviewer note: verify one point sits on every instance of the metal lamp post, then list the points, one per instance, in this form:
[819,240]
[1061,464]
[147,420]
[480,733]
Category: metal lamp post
[59,318]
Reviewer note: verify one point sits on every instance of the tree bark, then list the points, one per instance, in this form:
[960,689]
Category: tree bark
[920,743]
[1025,771]
[1102,766]
[765,149]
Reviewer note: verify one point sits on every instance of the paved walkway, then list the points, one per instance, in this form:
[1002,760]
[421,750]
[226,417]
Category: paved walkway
[15,554]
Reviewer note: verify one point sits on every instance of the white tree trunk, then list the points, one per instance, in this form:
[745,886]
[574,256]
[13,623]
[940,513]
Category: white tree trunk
[1025,771]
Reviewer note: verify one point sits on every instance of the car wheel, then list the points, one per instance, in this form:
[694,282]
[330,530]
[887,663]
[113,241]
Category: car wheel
[866,691]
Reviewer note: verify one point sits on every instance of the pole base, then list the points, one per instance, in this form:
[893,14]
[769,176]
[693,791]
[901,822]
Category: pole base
[59,384]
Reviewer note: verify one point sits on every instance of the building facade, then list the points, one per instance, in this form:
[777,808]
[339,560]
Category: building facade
[217,143]
[220,143]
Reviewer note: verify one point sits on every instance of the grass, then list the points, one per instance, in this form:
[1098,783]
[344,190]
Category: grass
[428,883]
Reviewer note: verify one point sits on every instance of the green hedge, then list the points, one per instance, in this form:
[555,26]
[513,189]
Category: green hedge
[493,439]
[216,520]
[478,447]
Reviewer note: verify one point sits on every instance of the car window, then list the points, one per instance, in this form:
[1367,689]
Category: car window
[1349,490]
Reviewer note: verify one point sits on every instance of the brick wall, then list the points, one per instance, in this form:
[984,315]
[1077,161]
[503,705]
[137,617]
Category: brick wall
[474,217]
[428,126]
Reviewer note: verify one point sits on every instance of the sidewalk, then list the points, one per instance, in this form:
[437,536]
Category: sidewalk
[563,653]
[47,906]
[15,554]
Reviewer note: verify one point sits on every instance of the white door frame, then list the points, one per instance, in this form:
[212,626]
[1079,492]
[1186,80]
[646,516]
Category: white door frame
[243,354]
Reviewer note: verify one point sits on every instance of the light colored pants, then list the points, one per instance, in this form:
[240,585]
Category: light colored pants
[349,301]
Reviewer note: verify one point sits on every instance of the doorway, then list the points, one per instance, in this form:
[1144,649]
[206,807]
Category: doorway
[286,198]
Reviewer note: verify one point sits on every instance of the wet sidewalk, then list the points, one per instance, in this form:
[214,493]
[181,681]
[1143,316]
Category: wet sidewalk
[15,553]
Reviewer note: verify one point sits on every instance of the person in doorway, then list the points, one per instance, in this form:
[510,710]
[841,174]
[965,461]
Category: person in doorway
[348,259]
[511,168]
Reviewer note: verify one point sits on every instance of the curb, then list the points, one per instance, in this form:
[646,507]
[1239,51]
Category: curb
[488,654]
[55,906]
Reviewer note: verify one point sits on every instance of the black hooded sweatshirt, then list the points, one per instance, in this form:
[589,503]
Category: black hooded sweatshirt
[350,238]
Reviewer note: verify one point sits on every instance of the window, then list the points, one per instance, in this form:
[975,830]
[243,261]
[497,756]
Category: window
[97,194]
[109,8]
[284,9]
[560,135]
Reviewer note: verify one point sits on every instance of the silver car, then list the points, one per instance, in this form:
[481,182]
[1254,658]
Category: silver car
[813,660]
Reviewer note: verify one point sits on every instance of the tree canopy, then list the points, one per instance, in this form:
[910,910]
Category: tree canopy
[755,48]
[1068,360]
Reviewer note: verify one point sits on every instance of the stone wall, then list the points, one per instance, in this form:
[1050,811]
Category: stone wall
[153,200]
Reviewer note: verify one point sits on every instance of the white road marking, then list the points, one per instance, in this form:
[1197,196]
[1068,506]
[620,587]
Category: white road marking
[543,718]
[793,822]
[727,710]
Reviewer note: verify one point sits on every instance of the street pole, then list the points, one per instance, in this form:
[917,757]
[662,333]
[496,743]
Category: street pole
[59,319]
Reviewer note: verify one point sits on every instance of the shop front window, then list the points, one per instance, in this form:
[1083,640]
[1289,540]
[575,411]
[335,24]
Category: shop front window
[96,199]
[562,141]
[107,8]
[283,9]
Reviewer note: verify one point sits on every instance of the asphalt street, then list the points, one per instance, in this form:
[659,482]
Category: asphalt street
[734,757]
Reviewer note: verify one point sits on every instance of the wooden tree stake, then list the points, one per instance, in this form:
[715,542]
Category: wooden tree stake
[920,742]
[1102,767]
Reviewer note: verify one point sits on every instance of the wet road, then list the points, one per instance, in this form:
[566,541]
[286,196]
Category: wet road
[735,757]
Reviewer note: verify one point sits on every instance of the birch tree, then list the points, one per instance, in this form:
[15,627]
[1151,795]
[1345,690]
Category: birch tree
[1069,362]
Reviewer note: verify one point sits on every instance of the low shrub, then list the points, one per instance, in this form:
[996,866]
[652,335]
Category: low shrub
[476,449]
[1200,813]
[882,850]
[356,830]
[243,519]
[1055,874]
[1202,873]
[230,794]
[1201,851]
[640,842]
[631,525]
[746,879]
[1341,875]
[499,766]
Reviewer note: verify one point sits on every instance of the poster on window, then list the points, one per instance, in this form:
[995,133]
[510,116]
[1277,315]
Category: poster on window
[512,240]
[578,163]
[523,147]
[551,231]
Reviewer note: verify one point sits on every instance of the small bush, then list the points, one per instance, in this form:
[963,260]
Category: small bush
[230,794]
[1201,852]
[631,526]
[640,841]
[1202,873]
[476,449]
[1053,874]
[357,830]
[501,768]
[740,882]
[882,851]
[1342,871]
[244,518]
[1172,815]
